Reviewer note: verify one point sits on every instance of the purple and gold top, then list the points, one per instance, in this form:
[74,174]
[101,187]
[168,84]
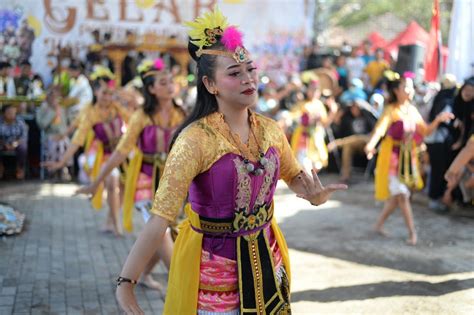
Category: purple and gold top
[107,126]
[109,133]
[205,162]
[151,135]
[401,123]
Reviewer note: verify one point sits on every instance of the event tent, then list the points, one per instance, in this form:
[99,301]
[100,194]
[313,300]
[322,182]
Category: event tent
[377,40]
[412,35]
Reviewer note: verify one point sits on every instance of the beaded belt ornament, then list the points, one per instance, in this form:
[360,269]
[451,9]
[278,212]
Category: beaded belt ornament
[259,290]
[158,162]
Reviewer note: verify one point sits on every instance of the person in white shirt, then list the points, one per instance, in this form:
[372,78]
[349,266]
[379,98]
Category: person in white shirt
[80,93]
[7,83]
[355,64]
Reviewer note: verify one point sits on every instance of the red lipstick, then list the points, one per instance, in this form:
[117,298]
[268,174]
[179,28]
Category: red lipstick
[249,91]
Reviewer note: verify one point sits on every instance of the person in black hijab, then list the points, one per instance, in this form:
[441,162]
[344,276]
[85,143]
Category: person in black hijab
[463,110]
[440,142]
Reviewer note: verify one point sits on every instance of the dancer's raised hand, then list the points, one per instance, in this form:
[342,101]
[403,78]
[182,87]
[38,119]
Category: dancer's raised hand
[316,193]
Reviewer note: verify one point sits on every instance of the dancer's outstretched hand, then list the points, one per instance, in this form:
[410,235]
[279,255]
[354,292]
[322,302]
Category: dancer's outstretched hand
[316,193]
[127,300]
[369,152]
[444,117]
[52,165]
[90,189]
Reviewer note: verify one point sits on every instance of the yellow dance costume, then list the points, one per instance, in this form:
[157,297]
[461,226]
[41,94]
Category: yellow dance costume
[307,140]
[100,131]
[149,140]
[403,130]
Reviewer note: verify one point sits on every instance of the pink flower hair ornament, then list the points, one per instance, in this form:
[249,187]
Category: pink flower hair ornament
[156,68]
[232,38]
[111,84]
[159,64]
[409,75]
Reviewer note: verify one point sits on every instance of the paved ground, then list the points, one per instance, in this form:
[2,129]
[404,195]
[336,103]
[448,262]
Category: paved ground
[61,264]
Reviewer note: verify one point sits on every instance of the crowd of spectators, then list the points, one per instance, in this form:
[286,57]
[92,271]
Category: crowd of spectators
[350,82]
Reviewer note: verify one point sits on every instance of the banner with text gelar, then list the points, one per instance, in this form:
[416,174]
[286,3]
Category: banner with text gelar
[35,29]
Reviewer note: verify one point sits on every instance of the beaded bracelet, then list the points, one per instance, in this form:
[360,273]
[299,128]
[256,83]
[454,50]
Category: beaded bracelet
[122,279]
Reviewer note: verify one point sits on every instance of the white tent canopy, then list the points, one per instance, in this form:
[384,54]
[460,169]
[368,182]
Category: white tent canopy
[461,40]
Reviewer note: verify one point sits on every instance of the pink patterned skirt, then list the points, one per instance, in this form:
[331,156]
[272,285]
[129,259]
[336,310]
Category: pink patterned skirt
[219,286]
[143,190]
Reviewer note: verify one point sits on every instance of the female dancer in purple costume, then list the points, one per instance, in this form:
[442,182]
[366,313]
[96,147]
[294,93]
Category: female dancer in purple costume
[105,119]
[230,256]
[398,169]
[149,135]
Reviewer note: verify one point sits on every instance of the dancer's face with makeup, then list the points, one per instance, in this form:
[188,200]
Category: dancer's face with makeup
[163,87]
[104,94]
[234,84]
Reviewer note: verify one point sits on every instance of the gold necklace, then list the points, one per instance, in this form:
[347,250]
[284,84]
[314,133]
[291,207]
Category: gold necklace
[404,108]
[250,167]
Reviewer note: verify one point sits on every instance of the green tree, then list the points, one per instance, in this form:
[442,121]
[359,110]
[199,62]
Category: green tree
[352,12]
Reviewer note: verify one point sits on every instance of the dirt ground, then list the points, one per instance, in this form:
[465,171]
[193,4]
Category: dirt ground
[61,264]
[340,266]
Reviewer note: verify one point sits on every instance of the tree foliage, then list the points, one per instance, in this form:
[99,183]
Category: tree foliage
[352,12]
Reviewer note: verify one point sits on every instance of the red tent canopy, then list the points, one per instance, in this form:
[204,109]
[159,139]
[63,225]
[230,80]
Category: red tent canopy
[413,34]
[377,40]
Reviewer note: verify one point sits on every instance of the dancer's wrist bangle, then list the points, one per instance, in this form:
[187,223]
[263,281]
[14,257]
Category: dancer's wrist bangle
[120,280]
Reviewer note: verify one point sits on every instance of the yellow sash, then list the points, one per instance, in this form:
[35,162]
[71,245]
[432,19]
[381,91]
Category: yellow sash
[132,173]
[382,169]
[94,172]
[183,283]
[97,198]
[295,138]
[383,166]
[89,138]
[316,149]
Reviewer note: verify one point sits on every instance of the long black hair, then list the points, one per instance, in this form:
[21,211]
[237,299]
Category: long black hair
[462,107]
[206,103]
[464,110]
[392,85]
[96,84]
[151,103]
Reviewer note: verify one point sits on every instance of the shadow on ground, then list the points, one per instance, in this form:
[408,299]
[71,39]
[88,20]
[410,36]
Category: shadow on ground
[345,232]
[383,289]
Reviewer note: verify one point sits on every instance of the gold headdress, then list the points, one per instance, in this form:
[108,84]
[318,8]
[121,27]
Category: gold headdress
[211,28]
[391,75]
[144,66]
[151,67]
[309,76]
[101,72]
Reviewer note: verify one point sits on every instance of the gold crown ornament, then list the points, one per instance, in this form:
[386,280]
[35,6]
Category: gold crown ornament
[101,72]
[211,28]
